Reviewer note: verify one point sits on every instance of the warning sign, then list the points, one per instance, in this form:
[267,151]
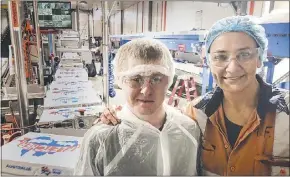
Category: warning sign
[14,8]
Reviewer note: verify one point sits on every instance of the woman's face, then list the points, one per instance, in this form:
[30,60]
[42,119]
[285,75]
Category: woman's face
[234,58]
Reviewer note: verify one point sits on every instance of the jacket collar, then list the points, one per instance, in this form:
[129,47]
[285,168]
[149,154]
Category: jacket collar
[265,103]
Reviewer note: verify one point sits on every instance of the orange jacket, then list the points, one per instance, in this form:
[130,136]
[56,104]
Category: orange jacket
[262,147]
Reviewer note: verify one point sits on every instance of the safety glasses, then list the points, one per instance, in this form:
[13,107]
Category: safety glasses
[138,81]
[223,58]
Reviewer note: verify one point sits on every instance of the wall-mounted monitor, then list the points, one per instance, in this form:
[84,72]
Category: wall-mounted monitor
[54,15]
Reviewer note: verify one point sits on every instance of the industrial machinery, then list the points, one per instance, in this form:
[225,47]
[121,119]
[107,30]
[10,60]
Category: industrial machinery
[186,50]
[185,47]
[71,102]
[276,25]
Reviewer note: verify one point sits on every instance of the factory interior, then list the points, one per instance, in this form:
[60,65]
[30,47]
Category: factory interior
[56,73]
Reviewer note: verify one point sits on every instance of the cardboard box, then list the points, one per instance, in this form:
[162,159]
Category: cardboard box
[57,85]
[80,99]
[41,154]
[54,115]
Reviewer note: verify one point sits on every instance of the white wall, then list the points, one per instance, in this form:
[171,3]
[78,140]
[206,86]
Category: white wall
[139,17]
[130,20]
[281,5]
[97,20]
[145,17]
[187,14]
[157,16]
[182,15]
[133,18]
[258,8]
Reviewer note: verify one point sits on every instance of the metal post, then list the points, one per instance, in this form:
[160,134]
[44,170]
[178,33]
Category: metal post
[272,4]
[243,7]
[113,6]
[39,48]
[89,27]
[21,84]
[105,52]
[51,49]
[53,44]
[78,23]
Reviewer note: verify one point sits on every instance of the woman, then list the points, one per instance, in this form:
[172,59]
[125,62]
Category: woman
[244,122]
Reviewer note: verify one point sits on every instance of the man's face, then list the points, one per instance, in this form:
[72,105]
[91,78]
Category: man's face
[234,58]
[145,93]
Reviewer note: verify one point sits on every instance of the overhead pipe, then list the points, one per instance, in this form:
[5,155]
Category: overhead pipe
[150,16]
[156,29]
[142,16]
[240,7]
[137,17]
[161,19]
[113,6]
[243,7]
[78,23]
[122,21]
[252,6]
[38,43]
[21,84]
[272,4]
[105,42]
[164,15]
[90,26]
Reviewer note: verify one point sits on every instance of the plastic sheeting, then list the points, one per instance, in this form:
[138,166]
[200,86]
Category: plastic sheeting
[135,147]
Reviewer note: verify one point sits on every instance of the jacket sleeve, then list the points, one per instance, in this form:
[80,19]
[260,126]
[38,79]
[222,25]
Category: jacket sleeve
[90,147]
[190,111]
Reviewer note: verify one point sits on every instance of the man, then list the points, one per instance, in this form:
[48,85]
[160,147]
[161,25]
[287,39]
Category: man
[244,122]
[153,138]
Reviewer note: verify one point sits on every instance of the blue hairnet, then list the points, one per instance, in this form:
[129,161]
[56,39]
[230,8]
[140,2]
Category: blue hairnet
[247,24]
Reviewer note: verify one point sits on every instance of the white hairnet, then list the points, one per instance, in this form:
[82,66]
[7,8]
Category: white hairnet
[143,56]
[136,148]
[247,24]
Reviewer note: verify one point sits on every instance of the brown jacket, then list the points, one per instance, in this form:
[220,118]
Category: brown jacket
[262,147]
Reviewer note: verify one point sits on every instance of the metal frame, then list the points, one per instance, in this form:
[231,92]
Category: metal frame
[172,41]
[21,84]
[105,52]
[37,30]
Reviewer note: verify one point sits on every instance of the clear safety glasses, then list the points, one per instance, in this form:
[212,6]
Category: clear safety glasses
[223,58]
[138,81]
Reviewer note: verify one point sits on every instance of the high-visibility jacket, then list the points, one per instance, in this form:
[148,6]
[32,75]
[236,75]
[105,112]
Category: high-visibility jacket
[262,147]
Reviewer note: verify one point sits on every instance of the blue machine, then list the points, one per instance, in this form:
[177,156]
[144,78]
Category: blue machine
[277,31]
[276,25]
[185,42]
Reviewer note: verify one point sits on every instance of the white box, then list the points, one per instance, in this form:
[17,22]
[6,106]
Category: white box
[70,92]
[79,100]
[71,65]
[54,115]
[58,85]
[69,71]
[72,77]
[73,74]
[41,154]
